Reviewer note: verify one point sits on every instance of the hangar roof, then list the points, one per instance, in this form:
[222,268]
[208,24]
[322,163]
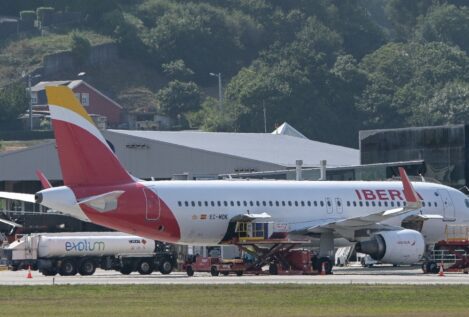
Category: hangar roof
[273,148]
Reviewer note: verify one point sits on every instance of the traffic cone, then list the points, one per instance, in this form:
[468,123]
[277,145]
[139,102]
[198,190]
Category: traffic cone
[29,272]
[323,268]
[442,272]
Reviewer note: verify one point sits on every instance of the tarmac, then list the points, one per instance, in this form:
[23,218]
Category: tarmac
[348,275]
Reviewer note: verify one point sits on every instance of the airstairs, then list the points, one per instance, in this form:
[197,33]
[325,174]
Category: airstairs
[342,255]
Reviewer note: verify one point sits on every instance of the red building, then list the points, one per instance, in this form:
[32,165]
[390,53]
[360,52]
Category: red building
[106,112]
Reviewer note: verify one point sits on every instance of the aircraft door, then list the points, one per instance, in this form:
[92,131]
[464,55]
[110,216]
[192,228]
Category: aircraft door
[449,213]
[338,205]
[153,204]
[329,207]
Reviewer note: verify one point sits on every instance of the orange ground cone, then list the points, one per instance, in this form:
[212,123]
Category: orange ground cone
[323,268]
[29,272]
[442,272]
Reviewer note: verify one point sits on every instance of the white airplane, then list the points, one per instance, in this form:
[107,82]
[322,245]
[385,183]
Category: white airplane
[328,213]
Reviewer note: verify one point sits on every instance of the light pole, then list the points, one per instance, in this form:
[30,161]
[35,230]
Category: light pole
[30,98]
[220,93]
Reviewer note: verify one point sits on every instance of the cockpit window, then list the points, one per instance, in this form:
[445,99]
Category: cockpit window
[467,202]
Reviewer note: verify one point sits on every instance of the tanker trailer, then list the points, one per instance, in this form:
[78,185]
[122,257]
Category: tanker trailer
[72,253]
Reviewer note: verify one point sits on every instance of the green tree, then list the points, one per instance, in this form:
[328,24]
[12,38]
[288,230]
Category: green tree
[177,70]
[445,23]
[402,77]
[13,102]
[403,15]
[80,48]
[178,98]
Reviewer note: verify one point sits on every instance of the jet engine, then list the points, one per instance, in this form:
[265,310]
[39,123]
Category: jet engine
[396,247]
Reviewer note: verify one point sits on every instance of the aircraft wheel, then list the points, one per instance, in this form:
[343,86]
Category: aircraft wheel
[327,265]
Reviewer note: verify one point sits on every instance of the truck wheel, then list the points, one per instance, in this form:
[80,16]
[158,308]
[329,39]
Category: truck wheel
[166,267]
[189,271]
[145,267]
[68,268]
[51,272]
[214,271]
[126,270]
[239,273]
[87,267]
[225,273]
[432,267]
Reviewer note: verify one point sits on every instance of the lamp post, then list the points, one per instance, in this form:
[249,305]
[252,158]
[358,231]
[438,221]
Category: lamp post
[220,93]
[30,98]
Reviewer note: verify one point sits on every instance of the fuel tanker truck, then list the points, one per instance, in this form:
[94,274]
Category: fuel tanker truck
[72,253]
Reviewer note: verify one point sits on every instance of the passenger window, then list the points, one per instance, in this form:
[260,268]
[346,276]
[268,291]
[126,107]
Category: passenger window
[302,203]
[398,203]
[277,203]
[392,204]
[289,203]
[238,203]
[199,203]
[348,203]
[251,203]
[283,202]
[271,203]
[258,203]
[339,203]
[322,203]
[186,203]
[436,205]
[385,203]
[225,203]
[264,203]
[367,204]
[309,203]
[212,203]
[231,203]
[354,204]
[245,203]
[219,203]
[373,203]
[193,203]
[206,203]
[360,203]
[296,203]
[423,204]
[379,203]
[179,203]
[315,203]
[429,204]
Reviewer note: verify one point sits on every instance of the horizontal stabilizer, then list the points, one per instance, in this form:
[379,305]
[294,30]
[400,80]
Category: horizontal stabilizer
[18,196]
[104,202]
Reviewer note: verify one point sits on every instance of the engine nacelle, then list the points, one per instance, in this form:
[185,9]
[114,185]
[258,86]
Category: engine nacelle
[396,247]
[62,199]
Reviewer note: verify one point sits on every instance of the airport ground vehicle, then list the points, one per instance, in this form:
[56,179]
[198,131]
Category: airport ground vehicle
[72,253]
[451,253]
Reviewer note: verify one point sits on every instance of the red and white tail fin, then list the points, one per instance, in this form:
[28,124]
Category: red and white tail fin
[85,156]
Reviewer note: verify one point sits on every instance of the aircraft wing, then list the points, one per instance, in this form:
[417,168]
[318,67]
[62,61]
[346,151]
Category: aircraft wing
[371,222]
[250,217]
[18,196]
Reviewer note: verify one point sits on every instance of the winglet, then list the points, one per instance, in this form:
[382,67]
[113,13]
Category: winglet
[44,181]
[409,191]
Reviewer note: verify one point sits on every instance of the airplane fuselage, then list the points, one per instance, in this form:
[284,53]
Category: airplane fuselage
[199,212]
